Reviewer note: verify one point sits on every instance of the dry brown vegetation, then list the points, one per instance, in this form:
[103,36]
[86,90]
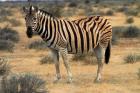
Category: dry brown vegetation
[118,77]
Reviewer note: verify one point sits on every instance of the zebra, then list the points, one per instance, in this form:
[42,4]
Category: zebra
[65,37]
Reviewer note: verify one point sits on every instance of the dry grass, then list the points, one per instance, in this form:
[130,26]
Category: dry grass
[116,75]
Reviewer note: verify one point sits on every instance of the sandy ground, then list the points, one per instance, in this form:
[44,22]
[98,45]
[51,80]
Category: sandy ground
[118,77]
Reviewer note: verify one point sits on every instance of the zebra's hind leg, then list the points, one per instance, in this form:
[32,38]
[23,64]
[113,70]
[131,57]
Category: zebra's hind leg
[56,61]
[64,54]
[99,54]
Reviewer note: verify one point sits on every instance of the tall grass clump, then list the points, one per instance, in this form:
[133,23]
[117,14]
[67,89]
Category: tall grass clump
[132,58]
[6,45]
[131,32]
[15,22]
[8,38]
[38,44]
[86,58]
[132,12]
[23,83]
[109,12]
[9,34]
[46,60]
[4,66]
[5,12]
[138,73]
[129,20]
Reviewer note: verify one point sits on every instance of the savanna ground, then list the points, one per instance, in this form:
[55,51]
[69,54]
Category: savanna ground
[118,76]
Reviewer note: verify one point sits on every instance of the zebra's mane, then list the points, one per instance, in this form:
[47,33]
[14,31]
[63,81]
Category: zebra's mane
[43,11]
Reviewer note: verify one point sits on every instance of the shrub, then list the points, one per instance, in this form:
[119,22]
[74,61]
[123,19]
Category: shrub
[4,66]
[129,20]
[9,34]
[15,22]
[5,12]
[139,73]
[110,12]
[30,83]
[122,9]
[86,58]
[132,12]
[23,83]
[118,31]
[131,58]
[72,4]
[38,44]
[46,60]
[6,45]
[131,32]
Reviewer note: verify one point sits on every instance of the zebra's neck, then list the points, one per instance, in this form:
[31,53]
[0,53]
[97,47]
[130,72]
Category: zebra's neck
[44,27]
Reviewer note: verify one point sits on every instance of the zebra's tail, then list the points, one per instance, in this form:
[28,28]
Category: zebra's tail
[107,52]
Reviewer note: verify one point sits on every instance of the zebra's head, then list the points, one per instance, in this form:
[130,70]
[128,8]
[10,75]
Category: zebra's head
[31,20]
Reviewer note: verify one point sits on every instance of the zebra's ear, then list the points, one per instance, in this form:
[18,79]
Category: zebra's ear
[34,9]
[25,9]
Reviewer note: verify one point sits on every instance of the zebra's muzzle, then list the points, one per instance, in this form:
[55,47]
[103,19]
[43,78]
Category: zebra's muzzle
[29,32]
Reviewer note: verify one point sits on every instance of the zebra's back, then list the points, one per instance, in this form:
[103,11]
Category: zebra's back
[86,33]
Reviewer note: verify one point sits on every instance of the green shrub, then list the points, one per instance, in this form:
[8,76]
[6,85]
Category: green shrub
[4,66]
[129,20]
[38,44]
[131,32]
[23,83]
[46,60]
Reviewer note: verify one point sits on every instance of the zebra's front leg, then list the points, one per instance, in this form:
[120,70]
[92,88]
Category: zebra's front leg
[64,54]
[56,61]
[99,54]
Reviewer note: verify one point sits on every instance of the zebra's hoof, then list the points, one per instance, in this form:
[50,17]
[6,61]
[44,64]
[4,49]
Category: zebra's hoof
[69,81]
[97,81]
[56,80]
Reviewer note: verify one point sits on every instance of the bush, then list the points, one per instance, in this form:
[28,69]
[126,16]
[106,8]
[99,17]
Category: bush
[4,66]
[6,45]
[8,38]
[86,58]
[132,12]
[15,22]
[23,83]
[39,44]
[139,74]
[129,20]
[118,31]
[131,32]
[46,60]
[122,9]
[5,12]
[110,12]
[72,4]
[132,58]
[9,34]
